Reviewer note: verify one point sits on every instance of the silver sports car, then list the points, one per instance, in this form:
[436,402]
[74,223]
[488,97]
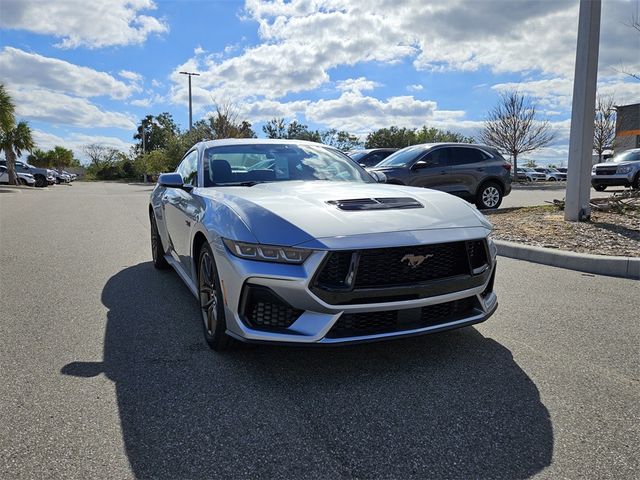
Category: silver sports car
[293,242]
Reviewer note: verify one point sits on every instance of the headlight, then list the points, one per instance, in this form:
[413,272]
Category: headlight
[625,169]
[493,250]
[267,253]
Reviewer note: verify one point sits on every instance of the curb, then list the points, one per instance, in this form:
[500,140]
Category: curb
[625,267]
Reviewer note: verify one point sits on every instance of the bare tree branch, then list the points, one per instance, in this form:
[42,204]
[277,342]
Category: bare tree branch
[512,127]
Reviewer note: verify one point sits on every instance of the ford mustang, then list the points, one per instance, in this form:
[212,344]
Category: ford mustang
[286,241]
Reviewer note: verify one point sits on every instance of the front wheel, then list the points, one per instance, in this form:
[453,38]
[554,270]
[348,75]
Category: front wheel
[211,302]
[41,181]
[599,188]
[489,196]
[636,182]
[157,251]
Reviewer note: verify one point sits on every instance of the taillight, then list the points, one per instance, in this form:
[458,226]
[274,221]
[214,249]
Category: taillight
[507,167]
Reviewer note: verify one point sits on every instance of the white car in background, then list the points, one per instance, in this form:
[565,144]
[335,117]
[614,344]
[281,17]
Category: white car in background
[25,178]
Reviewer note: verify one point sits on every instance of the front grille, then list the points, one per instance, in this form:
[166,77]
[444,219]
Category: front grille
[263,309]
[372,323]
[385,267]
[392,266]
[606,170]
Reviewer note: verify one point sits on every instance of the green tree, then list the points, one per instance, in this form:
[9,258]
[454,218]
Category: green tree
[40,158]
[435,135]
[7,111]
[275,128]
[531,163]
[392,137]
[13,143]
[155,132]
[341,140]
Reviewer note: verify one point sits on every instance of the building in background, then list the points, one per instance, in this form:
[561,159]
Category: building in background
[627,127]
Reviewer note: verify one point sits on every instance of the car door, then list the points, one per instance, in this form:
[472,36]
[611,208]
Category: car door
[468,168]
[431,170]
[181,211]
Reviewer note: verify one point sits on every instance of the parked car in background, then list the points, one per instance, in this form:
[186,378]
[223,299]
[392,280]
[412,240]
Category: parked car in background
[530,175]
[622,171]
[477,173]
[25,178]
[310,250]
[371,157]
[551,174]
[61,176]
[43,176]
[562,169]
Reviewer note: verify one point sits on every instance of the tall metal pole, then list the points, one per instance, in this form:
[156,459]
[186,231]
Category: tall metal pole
[582,113]
[190,74]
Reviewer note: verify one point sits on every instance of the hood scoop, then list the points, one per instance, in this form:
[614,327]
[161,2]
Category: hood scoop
[388,203]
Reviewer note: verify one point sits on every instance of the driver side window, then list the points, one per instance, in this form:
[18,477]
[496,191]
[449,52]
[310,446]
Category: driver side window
[437,158]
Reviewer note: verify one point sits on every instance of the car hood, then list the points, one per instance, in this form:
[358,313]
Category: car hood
[614,164]
[290,213]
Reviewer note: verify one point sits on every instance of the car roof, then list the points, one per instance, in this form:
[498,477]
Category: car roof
[256,141]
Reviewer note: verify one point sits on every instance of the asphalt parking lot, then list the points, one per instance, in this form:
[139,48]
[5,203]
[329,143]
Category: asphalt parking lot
[104,373]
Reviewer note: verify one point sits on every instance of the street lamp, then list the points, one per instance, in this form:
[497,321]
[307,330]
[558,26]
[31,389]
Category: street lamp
[190,74]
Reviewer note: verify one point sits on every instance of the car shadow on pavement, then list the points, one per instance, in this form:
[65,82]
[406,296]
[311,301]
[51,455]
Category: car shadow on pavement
[452,405]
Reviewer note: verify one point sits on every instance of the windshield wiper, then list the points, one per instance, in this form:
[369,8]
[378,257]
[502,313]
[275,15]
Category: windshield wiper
[238,184]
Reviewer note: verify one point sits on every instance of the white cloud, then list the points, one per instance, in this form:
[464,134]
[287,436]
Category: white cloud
[359,84]
[131,76]
[30,69]
[85,23]
[415,88]
[60,109]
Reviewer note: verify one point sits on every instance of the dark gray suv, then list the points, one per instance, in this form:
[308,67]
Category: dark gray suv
[476,173]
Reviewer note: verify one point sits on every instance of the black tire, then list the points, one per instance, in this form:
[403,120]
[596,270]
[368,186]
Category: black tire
[23,182]
[41,181]
[552,179]
[214,324]
[157,250]
[489,196]
[599,188]
[636,182]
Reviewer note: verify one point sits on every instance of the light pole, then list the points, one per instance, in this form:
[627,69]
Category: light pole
[582,112]
[190,74]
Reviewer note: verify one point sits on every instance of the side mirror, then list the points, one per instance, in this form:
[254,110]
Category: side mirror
[173,180]
[378,176]
[420,164]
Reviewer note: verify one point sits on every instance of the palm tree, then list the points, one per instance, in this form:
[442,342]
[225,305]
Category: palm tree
[7,109]
[14,142]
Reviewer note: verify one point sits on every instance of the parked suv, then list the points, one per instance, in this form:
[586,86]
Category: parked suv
[476,173]
[622,171]
[551,174]
[371,157]
[43,176]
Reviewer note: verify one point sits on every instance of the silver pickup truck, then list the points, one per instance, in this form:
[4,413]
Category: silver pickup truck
[622,171]
[43,176]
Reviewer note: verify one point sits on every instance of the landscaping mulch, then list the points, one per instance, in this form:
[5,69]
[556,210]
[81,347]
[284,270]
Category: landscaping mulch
[607,233]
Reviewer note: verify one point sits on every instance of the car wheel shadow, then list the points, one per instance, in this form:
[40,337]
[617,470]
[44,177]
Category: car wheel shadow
[452,405]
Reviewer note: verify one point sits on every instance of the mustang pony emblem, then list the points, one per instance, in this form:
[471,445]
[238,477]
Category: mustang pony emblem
[414,261]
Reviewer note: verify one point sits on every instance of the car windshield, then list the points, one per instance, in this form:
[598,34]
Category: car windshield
[357,155]
[257,163]
[401,157]
[628,156]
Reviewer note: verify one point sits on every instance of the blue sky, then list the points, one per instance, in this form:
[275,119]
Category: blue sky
[84,72]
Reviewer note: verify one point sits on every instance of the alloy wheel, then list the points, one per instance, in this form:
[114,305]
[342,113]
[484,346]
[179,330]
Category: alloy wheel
[490,196]
[208,293]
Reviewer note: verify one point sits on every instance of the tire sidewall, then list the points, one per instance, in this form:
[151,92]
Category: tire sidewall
[219,340]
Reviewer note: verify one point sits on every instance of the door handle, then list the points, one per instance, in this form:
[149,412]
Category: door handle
[443,172]
[480,169]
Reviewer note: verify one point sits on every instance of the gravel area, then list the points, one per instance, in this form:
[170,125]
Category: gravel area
[606,234]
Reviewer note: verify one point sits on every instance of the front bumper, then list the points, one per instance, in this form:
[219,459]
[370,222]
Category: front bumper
[315,323]
[618,179]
